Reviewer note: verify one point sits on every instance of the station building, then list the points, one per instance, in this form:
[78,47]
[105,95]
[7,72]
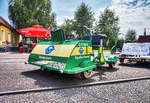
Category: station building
[8,33]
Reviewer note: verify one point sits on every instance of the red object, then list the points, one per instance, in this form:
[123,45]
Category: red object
[35,31]
[29,50]
[143,38]
[20,49]
[33,45]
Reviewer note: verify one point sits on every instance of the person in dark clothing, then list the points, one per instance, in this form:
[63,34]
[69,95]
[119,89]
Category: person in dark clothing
[7,47]
[21,44]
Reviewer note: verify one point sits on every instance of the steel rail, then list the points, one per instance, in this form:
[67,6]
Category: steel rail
[74,86]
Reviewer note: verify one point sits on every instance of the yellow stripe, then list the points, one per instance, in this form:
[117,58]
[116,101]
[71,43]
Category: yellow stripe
[87,50]
[60,50]
[102,56]
[101,49]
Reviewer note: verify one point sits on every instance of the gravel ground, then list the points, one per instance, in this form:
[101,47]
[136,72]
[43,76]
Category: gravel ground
[131,92]
[15,75]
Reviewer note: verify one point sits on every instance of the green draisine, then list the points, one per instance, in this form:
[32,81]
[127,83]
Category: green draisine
[68,56]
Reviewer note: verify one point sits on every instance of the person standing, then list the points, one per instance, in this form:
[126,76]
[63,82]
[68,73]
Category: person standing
[7,46]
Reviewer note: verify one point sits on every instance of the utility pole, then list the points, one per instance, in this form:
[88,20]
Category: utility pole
[144,31]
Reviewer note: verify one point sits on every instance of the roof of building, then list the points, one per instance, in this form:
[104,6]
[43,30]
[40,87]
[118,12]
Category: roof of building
[5,23]
[143,38]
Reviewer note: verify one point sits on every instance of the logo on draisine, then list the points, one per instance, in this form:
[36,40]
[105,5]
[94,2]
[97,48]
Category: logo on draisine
[49,49]
[81,50]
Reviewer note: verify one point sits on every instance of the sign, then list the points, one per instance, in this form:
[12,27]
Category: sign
[82,44]
[142,49]
[81,57]
[49,49]
[81,50]
[45,58]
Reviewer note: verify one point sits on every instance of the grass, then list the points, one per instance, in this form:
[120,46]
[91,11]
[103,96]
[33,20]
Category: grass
[108,51]
[96,51]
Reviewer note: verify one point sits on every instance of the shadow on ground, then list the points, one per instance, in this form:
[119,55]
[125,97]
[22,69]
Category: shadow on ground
[56,79]
[140,65]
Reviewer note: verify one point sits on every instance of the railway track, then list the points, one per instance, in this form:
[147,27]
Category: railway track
[74,86]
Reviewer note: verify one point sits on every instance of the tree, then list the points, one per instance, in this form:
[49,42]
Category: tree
[131,35]
[53,25]
[68,26]
[83,17]
[108,24]
[144,31]
[120,43]
[25,13]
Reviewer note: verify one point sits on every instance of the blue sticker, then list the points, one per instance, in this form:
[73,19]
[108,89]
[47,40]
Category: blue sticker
[81,50]
[49,49]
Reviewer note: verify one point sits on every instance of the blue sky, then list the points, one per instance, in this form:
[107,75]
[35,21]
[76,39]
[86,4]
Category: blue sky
[4,9]
[66,8]
[133,14]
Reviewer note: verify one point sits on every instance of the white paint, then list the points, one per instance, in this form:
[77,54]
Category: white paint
[3,35]
[9,37]
[20,37]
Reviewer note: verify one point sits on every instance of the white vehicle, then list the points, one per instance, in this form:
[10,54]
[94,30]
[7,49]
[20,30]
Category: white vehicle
[139,52]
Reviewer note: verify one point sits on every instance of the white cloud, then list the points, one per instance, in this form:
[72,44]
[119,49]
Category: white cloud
[67,14]
[115,1]
[61,19]
[127,0]
[134,17]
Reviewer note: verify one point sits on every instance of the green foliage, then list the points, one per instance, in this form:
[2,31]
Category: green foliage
[108,24]
[68,27]
[131,35]
[25,13]
[120,43]
[83,17]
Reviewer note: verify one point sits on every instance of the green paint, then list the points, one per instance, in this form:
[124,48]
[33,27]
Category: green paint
[36,57]
[112,59]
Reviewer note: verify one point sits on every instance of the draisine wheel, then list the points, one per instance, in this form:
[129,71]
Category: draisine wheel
[121,61]
[85,75]
[111,65]
[42,68]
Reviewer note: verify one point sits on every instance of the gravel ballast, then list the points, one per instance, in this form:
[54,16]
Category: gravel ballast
[15,75]
[132,92]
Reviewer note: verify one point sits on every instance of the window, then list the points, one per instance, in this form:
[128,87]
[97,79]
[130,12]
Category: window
[3,35]
[9,37]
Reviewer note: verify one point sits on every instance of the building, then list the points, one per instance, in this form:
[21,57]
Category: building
[144,38]
[8,33]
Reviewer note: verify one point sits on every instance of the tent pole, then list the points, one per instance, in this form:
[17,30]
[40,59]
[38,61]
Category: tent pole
[37,39]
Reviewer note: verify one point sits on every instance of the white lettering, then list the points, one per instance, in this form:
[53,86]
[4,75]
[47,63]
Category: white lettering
[81,57]
[82,44]
[42,57]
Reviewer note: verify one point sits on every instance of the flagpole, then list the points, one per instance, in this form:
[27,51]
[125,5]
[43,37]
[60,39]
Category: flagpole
[37,40]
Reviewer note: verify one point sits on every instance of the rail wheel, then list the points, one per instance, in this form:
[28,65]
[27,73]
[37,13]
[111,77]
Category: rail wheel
[121,61]
[85,75]
[42,68]
[111,65]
